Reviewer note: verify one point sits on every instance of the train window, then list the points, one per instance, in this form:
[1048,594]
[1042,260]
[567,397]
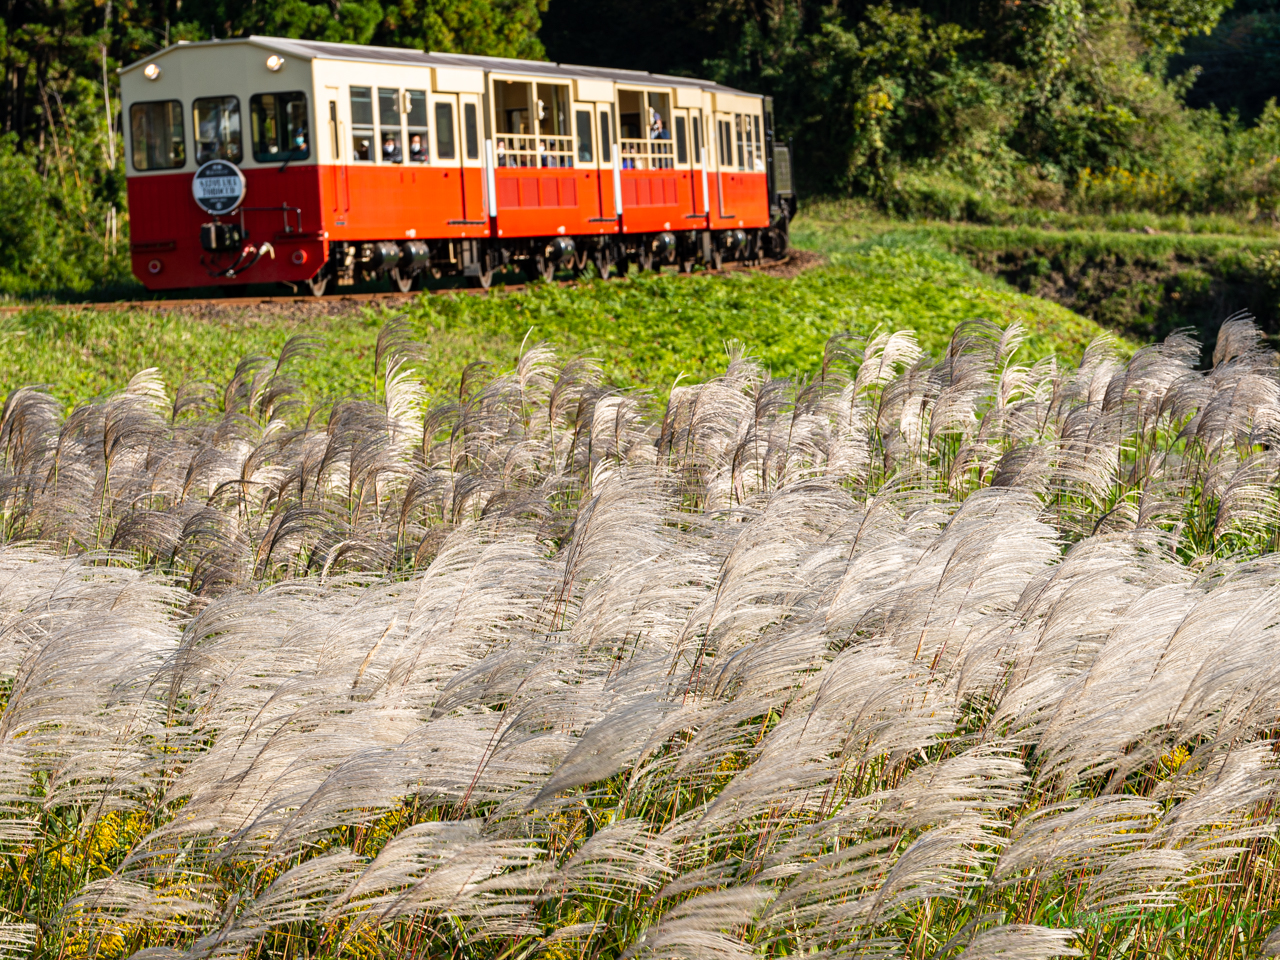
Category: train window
[159,142]
[333,129]
[695,121]
[583,121]
[217,123]
[516,145]
[471,129]
[445,148]
[419,146]
[389,124]
[362,123]
[606,155]
[278,126]
[682,141]
[660,146]
[726,143]
[737,129]
[755,122]
[555,143]
[751,154]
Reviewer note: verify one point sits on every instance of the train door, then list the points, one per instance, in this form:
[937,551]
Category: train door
[683,137]
[446,154]
[610,182]
[587,159]
[724,164]
[698,157]
[338,187]
[474,201]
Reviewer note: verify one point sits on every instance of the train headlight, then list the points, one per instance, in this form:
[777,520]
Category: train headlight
[275,64]
[152,71]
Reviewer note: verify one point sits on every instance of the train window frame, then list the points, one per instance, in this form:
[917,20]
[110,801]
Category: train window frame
[512,147]
[417,125]
[444,131]
[234,153]
[681,124]
[606,139]
[358,127]
[178,136]
[554,106]
[256,104]
[651,146]
[390,114]
[471,130]
[583,131]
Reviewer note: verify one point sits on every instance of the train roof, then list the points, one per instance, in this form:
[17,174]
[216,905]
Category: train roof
[404,56]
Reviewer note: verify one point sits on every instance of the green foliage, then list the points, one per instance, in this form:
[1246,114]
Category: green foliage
[647,332]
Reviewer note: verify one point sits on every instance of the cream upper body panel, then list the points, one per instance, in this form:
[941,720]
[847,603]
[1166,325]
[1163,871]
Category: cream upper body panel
[325,74]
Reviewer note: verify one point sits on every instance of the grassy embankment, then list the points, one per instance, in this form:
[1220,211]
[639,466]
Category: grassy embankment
[1138,273]
[645,332]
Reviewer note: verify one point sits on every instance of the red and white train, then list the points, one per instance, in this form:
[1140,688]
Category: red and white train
[319,165]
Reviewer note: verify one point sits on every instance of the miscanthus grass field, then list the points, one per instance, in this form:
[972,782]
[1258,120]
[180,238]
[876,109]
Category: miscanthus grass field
[967,653]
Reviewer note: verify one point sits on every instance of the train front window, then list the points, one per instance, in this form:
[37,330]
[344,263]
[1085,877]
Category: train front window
[582,120]
[217,122]
[419,146]
[158,139]
[278,125]
[389,122]
[362,123]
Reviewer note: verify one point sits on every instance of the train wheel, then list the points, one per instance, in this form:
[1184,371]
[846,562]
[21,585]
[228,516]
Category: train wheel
[402,283]
[603,262]
[318,284]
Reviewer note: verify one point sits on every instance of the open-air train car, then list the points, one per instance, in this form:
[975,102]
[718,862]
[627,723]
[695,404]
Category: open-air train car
[320,164]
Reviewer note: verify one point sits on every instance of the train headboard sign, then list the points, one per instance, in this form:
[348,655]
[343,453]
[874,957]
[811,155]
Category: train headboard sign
[218,187]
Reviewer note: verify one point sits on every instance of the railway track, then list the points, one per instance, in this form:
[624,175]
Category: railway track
[346,298]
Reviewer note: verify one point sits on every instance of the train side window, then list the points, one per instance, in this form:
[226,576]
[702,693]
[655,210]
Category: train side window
[389,123]
[333,129]
[159,142]
[606,149]
[726,143]
[445,147]
[362,124]
[278,126]
[695,121]
[583,121]
[682,141]
[751,154]
[516,145]
[659,117]
[755,122]
[555,142]
[737,129]
[416,115]
[217,123]
[471,130]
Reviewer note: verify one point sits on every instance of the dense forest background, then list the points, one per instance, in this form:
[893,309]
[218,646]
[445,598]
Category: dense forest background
[940,107]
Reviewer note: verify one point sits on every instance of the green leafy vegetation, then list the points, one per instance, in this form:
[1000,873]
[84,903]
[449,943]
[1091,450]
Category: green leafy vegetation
[647,331]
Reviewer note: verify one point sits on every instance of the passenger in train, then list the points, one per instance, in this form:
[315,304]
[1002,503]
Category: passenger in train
[391,150]
[300,140]
[656,129]
[502,153]
[417,152]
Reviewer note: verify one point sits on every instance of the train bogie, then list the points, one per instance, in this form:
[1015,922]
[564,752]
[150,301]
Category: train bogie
[321,165]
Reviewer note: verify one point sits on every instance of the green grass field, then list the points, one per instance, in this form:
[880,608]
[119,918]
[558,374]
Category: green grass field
[645,331]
